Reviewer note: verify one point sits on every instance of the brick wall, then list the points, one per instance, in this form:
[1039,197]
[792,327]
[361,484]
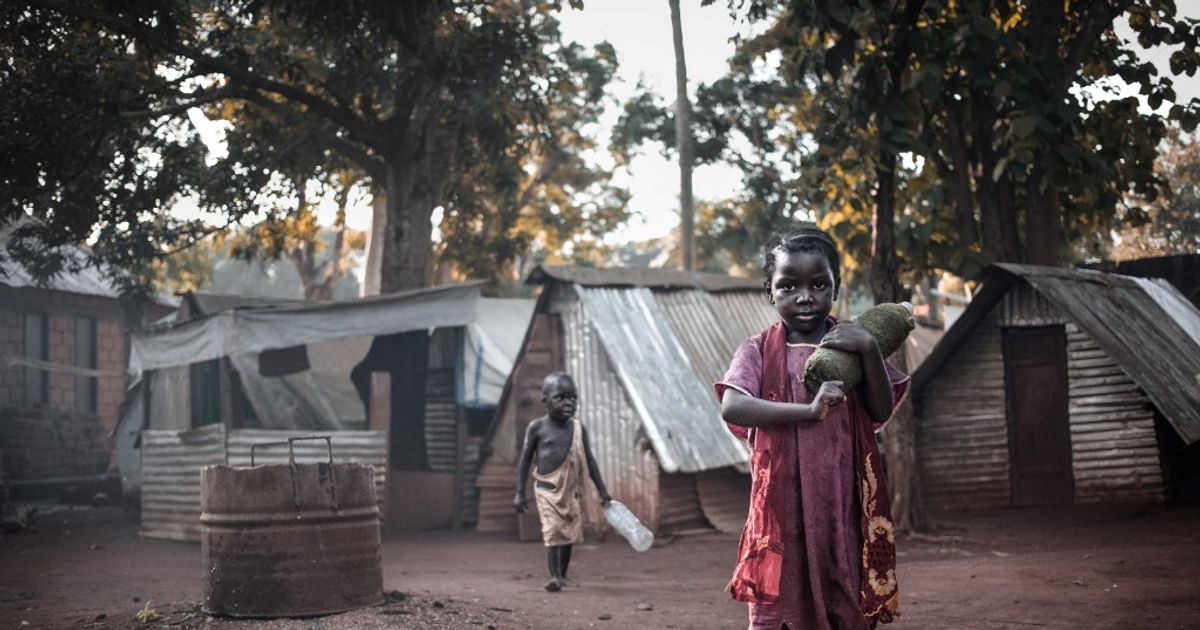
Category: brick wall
[12,342]
[45,443]
[61,310]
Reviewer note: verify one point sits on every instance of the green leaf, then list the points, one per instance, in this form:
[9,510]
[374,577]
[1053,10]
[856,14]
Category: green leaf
[1023,126]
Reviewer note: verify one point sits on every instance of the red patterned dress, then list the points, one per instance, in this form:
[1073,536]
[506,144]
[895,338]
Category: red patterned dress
[818,549]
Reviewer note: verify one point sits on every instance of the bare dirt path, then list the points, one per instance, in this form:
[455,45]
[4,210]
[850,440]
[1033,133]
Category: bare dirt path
[1086,567]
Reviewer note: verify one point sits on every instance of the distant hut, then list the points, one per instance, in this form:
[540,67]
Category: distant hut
[645,347]
[63,348]
[1061,387]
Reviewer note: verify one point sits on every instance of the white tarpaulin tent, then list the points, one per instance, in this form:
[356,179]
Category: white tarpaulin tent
[490,347]
[255,329]
[337,337]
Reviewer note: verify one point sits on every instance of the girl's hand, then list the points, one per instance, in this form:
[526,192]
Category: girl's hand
[849,337]
[829,395]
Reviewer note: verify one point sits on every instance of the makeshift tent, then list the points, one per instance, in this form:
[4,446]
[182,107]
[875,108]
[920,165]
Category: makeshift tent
[294,371]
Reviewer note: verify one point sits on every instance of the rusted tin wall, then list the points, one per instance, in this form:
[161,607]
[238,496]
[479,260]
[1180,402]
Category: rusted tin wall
[441,419]
[962,427]
[679,503]
[468,501]
[1113,445]
[171,463]
[622,451]
[724,497]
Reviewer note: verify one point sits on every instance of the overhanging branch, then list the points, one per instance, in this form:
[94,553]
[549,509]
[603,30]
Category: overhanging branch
[369,163]
[195,100]
[341,116]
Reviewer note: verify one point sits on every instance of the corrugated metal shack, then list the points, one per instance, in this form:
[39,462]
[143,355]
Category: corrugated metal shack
[644,347]
[1060,387]
[235,372]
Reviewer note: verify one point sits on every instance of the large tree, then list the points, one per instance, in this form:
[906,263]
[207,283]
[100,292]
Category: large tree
[1014,149]
[404,91]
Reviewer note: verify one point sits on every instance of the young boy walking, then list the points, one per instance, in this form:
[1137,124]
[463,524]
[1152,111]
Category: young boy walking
[561,445]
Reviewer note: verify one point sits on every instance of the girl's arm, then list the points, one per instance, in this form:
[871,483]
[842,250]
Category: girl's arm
[877,388]
[748,411]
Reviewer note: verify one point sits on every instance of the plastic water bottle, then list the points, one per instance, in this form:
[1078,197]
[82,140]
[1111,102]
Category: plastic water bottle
[628,526]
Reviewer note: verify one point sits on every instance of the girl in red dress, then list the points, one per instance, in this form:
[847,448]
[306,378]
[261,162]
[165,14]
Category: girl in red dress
[818,549]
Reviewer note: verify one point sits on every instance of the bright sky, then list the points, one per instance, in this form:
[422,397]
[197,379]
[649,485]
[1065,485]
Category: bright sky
[640,31]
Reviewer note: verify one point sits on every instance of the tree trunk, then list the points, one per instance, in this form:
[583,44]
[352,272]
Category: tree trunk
[958,172]
[997,213]
[370,285]
[885,266]
[903,469]
[683,139]
[1043,233]
[407,245]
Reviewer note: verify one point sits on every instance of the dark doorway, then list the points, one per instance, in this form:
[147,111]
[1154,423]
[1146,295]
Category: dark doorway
[1039,436]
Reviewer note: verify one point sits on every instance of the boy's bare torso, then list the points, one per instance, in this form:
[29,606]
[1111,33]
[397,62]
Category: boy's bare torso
[554,438]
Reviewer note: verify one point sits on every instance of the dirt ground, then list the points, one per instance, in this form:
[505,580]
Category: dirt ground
[1127,567]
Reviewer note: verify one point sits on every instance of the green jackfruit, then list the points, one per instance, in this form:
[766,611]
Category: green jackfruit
[889,324]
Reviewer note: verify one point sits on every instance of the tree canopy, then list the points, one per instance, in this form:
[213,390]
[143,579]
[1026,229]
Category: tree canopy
[441,103]
[1010,138]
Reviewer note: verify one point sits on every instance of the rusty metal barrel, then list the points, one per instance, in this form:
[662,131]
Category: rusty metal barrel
[289,540]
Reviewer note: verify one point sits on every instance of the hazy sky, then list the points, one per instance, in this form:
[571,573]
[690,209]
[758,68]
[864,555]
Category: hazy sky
[640,31]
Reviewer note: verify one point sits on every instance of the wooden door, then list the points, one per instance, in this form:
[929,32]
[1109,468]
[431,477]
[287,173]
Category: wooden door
[1039,437]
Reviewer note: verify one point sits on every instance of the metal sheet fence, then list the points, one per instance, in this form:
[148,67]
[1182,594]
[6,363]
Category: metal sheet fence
[171,463]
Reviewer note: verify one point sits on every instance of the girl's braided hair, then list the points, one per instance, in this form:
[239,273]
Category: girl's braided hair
[801,237]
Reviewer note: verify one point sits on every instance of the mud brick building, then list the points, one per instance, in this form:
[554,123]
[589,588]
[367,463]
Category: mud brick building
[63,353]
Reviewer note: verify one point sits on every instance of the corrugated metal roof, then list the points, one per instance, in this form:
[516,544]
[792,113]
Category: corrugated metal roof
[200,303]
[89,280]
[639,277]
[614,427]
[745,312]
[711,325]
[1146,330]
[677,409]
[709,342]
